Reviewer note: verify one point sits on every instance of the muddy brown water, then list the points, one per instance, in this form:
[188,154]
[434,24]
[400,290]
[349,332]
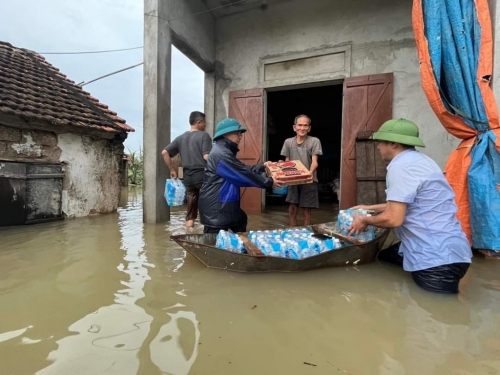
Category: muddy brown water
[111,295]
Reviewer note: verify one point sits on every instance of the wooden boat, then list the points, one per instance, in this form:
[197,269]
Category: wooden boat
[202,247]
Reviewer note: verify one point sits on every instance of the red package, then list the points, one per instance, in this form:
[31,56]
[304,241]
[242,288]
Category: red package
[291,172]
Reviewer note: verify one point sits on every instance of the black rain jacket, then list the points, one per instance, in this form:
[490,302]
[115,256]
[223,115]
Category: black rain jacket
[219,201]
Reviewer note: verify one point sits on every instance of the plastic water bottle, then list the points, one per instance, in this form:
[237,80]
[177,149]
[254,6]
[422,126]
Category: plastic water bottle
[179,194]
[307,253]
[240,247]
[340,220]
[345,220]
[222,240]
[265,248]
[370,231]
[291,250]
[301,242]
[237,244]
[277,246]
[329,244]
[175,192]
[230,241]
[260,239]
[275,233]
[261,242]
[304,231]
[269,246]
[316,246]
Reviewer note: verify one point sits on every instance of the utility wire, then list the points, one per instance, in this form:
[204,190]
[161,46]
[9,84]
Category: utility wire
[85,52]
[133,48]
[83,83]
[110,74]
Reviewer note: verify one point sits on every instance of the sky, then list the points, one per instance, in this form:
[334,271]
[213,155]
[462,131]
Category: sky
[94,25]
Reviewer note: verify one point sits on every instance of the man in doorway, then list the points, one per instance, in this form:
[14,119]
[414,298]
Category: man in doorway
[193,146]
[224,176]
[305,148]
[421,207]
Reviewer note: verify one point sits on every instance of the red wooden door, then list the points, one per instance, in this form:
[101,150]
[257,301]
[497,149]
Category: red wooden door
[247,107]
[367,105]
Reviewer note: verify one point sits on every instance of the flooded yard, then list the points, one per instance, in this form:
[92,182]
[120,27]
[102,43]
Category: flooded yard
[111,295]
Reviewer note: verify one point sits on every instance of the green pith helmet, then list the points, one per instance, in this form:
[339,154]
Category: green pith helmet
[226,126]
[399,131]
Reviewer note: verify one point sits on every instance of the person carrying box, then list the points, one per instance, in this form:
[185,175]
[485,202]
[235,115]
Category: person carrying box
[305,148]
[224,176]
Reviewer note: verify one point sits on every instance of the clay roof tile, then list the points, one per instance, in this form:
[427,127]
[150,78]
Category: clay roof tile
[33,89]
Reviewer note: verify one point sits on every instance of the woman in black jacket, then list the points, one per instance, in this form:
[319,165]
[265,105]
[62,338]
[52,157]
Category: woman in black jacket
[219,202]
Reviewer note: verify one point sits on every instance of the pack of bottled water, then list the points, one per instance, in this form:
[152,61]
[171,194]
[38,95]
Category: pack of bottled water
[175,192]
[230,241]
[293,244]
[345,220]
[269,242]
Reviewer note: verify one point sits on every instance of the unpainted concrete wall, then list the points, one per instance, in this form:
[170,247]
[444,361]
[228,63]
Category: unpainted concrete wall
[495,15]
[193,34]
[93,172]
[379,32]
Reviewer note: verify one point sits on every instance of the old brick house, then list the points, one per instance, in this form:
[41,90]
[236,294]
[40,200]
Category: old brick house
[61,150]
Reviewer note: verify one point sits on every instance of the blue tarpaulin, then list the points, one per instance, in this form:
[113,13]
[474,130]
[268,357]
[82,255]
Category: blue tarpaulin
[453,32]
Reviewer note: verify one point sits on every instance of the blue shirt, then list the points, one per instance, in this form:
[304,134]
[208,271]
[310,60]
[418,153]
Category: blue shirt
[431,234]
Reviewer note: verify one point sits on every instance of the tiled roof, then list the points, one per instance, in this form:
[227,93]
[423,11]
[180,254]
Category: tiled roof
[34,90]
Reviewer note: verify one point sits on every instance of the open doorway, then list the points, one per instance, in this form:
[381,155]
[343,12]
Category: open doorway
[324,106]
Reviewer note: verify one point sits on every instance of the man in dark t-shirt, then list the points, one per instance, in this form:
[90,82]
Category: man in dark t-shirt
[193,147]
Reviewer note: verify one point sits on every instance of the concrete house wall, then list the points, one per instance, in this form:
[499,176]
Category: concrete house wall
[93,175]
[237,45]
[375,36]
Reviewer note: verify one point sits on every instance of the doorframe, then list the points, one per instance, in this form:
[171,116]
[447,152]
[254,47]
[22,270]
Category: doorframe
[306,85]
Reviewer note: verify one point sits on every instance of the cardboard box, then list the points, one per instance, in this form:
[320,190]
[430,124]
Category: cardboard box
[290,172]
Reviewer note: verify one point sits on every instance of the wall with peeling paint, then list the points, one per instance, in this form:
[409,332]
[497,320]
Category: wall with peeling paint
[93,167]
[378,33]
[92,181]
[28,145]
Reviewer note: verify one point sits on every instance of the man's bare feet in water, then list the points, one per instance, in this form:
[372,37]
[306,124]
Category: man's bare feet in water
[189,223]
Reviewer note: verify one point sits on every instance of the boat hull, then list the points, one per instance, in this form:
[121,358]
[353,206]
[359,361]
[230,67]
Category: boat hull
[202,247]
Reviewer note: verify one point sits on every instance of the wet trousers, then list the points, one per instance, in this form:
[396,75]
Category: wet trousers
[240,225]
[192,195]
[441,279]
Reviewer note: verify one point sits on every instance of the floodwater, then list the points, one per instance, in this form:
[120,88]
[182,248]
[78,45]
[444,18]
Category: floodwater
[110,295]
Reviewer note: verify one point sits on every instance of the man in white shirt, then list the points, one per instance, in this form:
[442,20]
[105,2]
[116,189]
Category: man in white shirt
[421,207]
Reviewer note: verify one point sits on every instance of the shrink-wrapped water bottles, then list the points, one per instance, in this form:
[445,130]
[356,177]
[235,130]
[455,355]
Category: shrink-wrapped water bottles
[230,241]
[175,192]
[297,243]
[345,220]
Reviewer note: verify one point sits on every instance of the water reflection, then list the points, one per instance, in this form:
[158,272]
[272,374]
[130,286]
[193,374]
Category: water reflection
[175,347]
[111,295]
[114,335]
[13,334]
